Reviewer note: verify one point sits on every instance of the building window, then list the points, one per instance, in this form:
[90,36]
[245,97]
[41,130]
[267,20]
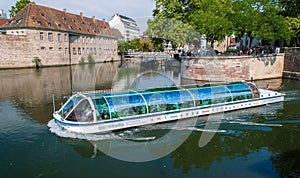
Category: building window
[49,24]
[79,51]
[41,36]
[59,37]
[66,37]
[39,23]
[51,48]
[50,36]
[59,48]
[42,47]
[95,51]
[74,51]
[19,21]
[66,51]
[59,25]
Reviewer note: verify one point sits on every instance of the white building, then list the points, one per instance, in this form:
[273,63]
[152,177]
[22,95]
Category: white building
[2,14]
[127,26]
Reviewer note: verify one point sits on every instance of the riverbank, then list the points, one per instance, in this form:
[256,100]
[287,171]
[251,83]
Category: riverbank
[233,68]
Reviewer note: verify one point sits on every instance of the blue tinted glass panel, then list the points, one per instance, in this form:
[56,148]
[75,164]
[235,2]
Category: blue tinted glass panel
[123,106]
[102,110]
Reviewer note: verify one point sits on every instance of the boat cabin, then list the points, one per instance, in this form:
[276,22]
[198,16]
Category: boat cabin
[94,107]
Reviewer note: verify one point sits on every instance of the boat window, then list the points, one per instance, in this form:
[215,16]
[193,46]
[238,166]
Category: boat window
[187,100]
[254,90]
[102,110]
[157,103]
[240,92]
[82,113]
[205,97]
[168,100]
[220,94]
[68,106]
[130,105]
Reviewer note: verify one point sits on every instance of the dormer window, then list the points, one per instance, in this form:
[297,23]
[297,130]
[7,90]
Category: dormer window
[83,23]
[19,21]
[39,23]
[42,14]
[10,22]
[59,25]
[49,24]
[71,28]
[73,20]
[64,18]
[79,29]
[88,30]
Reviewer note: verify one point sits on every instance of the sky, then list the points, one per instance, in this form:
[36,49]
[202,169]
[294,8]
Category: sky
[139,10]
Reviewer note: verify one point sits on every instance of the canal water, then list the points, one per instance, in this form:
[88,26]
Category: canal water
[256,142]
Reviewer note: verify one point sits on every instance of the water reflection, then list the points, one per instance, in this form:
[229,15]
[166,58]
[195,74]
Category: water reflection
[263,141]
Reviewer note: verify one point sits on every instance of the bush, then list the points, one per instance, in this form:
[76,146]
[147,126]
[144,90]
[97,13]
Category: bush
[82,61]
[91,60]
[37,61]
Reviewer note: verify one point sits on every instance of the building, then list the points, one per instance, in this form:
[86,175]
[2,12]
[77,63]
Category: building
[56,37]
[2,14]
[3,19]
[127,26]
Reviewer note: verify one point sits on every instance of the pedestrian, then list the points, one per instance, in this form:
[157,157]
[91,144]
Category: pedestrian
[238,45]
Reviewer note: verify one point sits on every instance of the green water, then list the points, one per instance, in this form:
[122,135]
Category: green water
[256,142]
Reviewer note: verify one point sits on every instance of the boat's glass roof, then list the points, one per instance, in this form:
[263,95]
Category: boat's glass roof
[134,102]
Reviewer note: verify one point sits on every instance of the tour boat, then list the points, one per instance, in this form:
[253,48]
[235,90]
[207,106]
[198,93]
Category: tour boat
[99,112]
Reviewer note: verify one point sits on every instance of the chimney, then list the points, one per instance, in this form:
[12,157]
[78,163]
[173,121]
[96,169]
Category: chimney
[65,10]
[81,14]
[94,18]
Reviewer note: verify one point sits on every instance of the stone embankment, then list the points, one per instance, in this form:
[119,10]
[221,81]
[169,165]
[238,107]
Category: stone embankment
[233,68]
[292,63]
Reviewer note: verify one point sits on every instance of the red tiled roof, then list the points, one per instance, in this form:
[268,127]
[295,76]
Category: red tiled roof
[3,21]
[41,17]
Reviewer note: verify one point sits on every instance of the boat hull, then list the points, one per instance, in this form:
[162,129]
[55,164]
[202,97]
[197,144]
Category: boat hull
[134,121]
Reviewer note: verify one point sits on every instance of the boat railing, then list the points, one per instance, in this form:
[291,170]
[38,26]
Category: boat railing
[98,91]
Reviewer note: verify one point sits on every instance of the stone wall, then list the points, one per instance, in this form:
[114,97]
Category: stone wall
[19,50]
[233,68]
[292,60]
[292,63]
[19,47]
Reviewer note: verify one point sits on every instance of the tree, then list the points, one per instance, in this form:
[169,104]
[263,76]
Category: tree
[211,18]
[18,7]
[262,19]
[171,30]
[291,11]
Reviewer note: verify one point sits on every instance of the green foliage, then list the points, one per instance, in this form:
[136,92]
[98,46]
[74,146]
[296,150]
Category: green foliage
[291,12]
[211,18]
[171,30]
[262,19]
[91,59]
[82,61]
[37,61]
[144,45]
[294,28]
[18,7]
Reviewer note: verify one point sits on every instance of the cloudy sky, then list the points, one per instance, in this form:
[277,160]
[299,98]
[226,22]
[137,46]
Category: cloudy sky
[139,10]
